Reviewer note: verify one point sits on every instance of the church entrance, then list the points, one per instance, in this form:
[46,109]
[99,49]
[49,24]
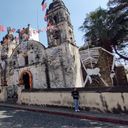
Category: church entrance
[26,79]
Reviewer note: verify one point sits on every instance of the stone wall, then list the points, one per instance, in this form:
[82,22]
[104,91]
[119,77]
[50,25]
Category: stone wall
[103,102]
[64,66]
[38,76]
[3,94]
[55,67]
[98,66]
[105,64]
[120,78]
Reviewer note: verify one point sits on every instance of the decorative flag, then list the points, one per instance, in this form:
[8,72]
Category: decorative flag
[13,30]
[17,38]
[44,5]
[34,31]
[2,28]
[49,25]
[43,2]
[45,18]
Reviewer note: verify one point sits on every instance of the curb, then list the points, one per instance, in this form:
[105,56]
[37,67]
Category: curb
[72,115]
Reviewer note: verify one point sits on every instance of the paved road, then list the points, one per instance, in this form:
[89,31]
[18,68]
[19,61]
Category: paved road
[14,118]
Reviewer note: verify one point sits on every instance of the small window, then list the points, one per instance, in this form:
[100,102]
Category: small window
[70,32]
[56,19]
[26,60]
[14,63]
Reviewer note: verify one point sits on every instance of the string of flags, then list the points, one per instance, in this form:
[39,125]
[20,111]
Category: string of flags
[13,30]
[2,28]
[44,6]
[44,29]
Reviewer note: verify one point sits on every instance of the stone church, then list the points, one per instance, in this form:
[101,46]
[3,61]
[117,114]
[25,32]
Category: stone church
[28,63]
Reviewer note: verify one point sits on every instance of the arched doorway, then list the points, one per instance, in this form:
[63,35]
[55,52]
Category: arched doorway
[26,79]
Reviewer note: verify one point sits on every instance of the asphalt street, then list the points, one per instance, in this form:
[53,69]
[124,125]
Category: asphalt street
[14,118]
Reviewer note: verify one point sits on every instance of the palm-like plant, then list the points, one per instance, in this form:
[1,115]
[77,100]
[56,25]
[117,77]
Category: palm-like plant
[95,29]
[107,28]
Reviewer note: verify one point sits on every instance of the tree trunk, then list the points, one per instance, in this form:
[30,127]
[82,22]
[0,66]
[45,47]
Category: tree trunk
[107,46]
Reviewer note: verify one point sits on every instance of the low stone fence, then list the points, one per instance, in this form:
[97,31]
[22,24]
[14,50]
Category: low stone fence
[95,99]
[104,102]
[3,94]
[47,98]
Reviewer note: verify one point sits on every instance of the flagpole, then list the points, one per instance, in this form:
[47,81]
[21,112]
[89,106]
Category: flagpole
[37,19]
[37,22]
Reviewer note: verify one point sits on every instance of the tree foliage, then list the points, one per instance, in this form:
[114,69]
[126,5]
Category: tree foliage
[107,28]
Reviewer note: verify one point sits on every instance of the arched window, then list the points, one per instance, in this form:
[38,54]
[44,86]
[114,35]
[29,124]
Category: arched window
[56,20]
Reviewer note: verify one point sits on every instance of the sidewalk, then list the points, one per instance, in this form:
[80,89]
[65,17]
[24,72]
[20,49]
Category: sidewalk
[94,116]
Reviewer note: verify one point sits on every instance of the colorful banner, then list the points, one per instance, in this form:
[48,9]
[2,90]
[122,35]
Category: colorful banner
[44,29]
[44,5]
[2,28]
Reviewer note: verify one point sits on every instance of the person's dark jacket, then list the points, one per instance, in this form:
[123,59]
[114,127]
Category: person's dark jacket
[75,94]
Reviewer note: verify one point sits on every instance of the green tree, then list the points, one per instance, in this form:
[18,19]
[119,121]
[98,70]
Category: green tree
[118,12]
[95,29]
[108,28]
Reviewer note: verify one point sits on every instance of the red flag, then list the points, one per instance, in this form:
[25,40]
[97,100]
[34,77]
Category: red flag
[43,2]
[44,5]
[2,28]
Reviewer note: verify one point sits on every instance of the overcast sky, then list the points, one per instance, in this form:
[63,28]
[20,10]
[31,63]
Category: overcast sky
[18,13]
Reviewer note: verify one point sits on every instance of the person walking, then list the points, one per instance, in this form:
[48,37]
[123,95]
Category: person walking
[75,95]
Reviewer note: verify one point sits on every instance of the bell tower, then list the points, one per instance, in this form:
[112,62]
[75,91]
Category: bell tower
[58,15]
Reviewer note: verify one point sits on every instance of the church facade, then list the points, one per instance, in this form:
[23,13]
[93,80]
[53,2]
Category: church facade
[29,63]
[38,75]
